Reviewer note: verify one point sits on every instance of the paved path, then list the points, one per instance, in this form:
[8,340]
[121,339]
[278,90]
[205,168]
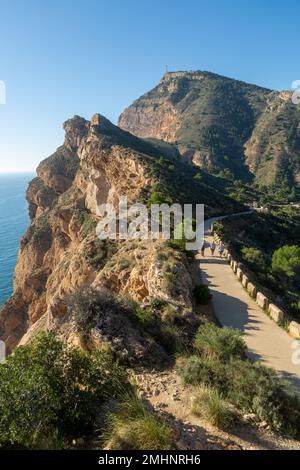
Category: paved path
[233,307]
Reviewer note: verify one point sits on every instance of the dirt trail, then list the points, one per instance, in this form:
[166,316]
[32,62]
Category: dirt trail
[172,400]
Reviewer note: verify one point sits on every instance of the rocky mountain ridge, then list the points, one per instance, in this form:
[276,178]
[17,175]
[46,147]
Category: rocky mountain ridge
[60,253]
[222,124]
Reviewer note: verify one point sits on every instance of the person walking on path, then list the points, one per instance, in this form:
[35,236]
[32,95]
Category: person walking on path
[203,246]
[221,249]
[212,248]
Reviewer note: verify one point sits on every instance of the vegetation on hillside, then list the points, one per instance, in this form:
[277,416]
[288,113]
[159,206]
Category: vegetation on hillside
[268,245]
[50,393]
[220,365]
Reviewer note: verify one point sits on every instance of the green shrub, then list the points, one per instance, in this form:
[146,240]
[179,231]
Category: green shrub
[87,305]
[132,426]
[210,404]
[203,371]
[88,224]
[250,387]
[218,343]
[49,392]
[286,261]
[165,333]
[97,252]
[254,257]
[158,197]
[258,389]
[170,337]
[202,294]
[39,232]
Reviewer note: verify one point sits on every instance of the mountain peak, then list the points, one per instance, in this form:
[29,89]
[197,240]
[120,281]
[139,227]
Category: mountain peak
[221,124]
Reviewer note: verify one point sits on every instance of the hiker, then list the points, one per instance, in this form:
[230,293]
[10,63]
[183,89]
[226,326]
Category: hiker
[212,248]
[203,246]
[221,249]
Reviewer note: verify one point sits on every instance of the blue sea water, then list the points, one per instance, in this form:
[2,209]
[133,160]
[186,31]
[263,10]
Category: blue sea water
[13,222]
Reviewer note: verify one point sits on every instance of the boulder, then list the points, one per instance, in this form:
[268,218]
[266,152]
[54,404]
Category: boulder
[245,281]
[251,289]
[239,274]
[276,314]
[262,301]
[294,329]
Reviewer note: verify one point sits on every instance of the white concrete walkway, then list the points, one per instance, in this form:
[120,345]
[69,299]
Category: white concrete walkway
[233,307]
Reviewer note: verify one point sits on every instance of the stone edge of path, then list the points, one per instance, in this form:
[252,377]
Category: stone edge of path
[274,312]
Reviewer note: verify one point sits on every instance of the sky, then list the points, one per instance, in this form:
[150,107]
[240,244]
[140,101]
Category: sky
[64,57]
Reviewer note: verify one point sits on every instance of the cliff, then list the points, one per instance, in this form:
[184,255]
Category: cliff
[222,124]
[60,254]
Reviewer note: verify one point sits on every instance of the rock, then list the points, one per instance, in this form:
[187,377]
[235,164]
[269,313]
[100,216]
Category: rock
[294,329]
[181,445]
[199,444]
[234,266]
[276,314]
[162,405]
[250,417]
[245,281]
[252,290]
[263,425]
[233,446]
[78,442]
[239,274]
[262,301]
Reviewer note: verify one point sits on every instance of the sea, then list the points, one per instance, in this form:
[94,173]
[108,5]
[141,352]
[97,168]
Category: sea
[14,221]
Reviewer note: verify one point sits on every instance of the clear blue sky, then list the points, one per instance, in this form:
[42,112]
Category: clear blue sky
[64,57]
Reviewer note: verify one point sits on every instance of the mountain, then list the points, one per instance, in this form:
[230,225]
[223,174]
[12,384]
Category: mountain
[61,254]
[221,124]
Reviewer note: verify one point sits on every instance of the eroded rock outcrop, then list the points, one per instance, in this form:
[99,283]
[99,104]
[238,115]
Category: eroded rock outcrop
[222,124]
[60,252]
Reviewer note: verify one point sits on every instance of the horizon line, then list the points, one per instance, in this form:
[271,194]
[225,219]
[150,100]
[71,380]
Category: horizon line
[12,171]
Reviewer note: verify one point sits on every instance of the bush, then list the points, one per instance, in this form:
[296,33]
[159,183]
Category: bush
[210,405]
[165,332]
[39,233]
[202,371]
[286,261]
[97,252]
[132,426]
[49,392]
[258,389]
[202,294]
[250,387]
[170,337]
[88,305]
[254,257]
[218,343]
[158,197]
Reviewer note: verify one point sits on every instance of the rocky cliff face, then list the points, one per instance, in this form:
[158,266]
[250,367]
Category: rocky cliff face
[222,124]
[273,150]
[60,253]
